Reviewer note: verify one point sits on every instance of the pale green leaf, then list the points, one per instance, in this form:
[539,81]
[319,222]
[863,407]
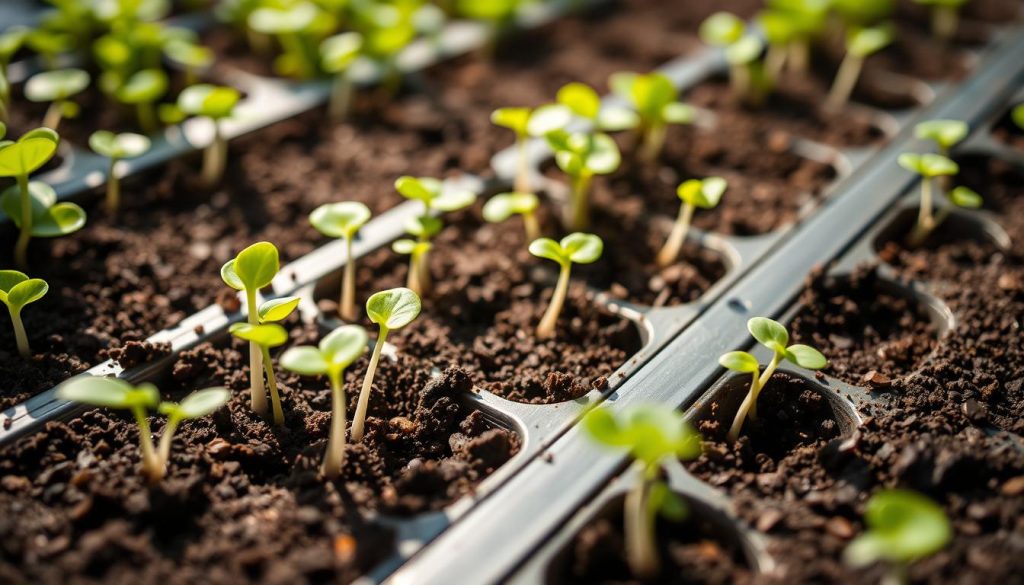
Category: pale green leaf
[393,308]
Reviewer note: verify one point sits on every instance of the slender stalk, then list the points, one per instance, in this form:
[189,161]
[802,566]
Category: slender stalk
[945,21]
[152,466]
[147,117]
[531,225]
[925,219]
[674,244]
[359,420]
[775,61]
[523,166]
[292,43]
[19,334]
[799,55]
[845,82]
[53,115]
[423,273]
[21,247]
[257,391]
[546,328]
[740,80]
[334,459]
[579,210]
[113,188]
[164,449]
[748,409]
[654,141]
[215,157]
[347,308]
[412,280]
[641,551]
[341,97]
[275,398]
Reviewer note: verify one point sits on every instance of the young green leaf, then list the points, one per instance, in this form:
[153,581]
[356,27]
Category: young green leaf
[142,90]
[16,291]
[576,247]
[340,220]
[436,195]
[277,309]
[28,153]
[109,393]
[197,405]
[966,198]
[902,527]
[116,147]
[57,87]
[216,103]
[526,123]
[582,155]
[928,165]
[337,54]
[944,133]
[740,361]
[656,102]
[504,205]
[722,29]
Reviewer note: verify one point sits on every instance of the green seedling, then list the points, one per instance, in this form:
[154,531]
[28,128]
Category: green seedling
[903,527]
[576,247]
[944,133]
[693,193]
[192,57]
[945,17]
[216,103]
[390,309]
[775,337]
[32,206]
[387,29]
[583,102]
[1017,115]
[337,54]
[253,269]
[860,44]
[655,437]
[16,291]
[142,90]
[505,205]
[343,220]
[57,88]
[265,337]
[530,123]
[335,352]
[436,196]
[929,167]
[790,26]
[117,147]
[742,51]
[113,393]
[291,25]
[656,102]
[581,155]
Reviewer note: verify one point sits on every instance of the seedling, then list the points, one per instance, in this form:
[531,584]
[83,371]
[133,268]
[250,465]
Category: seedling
[656,102]
[694,193]
[928,166]
[387,29]
[192,57]
[790,26]
[337,54]
[860,44]
[289,24]
[583,102]
[265,337]
[576,247]
[57,88]
[944,133]
[742,51]
[390,309]
[335,352]
[581,155]
[32,206]
[216,103]
[499,14]
[945,17]
[530,123]
[16,291]
[656,437]
[343,220]
[505,205]
[116,147]
[253,269]
[142,90]
[775,337]
[113,393]
[903,526]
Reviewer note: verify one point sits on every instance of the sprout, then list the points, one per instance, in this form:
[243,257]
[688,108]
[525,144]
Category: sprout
[944,133]
[742,51]
[655,437]
[116,147]
[142,90]
[265,337]
[288,24]
[789,27]
[253,269]
[32,206]
[436,196]
[57,87]
[583,102]
[928,166]
[505,205]
[945,17]
[693,193]
[530,123]
[337,54]
[191,56]
[582,155]
[657,105]
[775,337]
[386,30]
[343,220]
[903,526]
[860,44]
[16,291]
[1017,115]
[215,103]
[576,247]
[389,309]
[335,352]
[113,393]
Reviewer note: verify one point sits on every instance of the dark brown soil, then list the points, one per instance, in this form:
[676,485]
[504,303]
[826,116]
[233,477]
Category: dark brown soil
[1007,131]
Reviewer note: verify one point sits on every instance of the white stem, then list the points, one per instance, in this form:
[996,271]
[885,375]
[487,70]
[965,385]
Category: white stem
[341,97]
[523,166]
[674,244]
[152,467]
[579,209]
[347,308]
[654,141]
[531,225]
[334,459]
[359,420]
[257,391]
[113,188]
[799,55]
[925,219]
[845,82]
[275,398]
[641,551]
[546,328]
[19,334]
[740,79]
[53,115]
[775,61]
[748,409]
[164,450]
[215,157]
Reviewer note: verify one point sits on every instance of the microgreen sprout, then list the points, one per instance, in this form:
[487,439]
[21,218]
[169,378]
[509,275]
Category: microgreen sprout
[903,526]
[216,103]
[289,23]
[343,220]
[656,102]
[530,123]
[337,54]
[387,29]
[265,337]
[191,56]
[655,437]
[253,269]
[860,44]
[576,247]
[57,87]
[929,167]
[693,193]
[390,309]
[504,205]
[116,147]
[32,206]
[790,26]
[584,102]
[742,51]
[774,336]
[581,155]
[944,133]
[945,17]
[142,90]
[335,352]
[16,291]
[113,393]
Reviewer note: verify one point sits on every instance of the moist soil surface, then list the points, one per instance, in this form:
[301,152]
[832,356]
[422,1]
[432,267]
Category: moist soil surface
[243,500]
